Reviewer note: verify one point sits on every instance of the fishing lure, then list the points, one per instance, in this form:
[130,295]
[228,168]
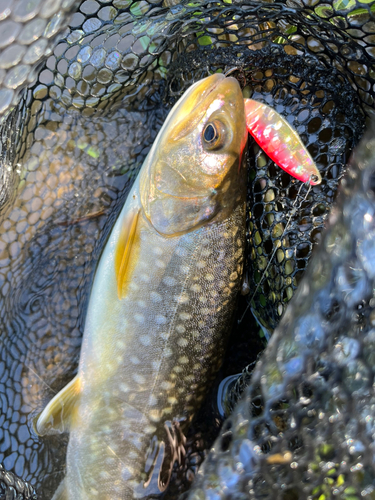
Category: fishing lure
[280,141]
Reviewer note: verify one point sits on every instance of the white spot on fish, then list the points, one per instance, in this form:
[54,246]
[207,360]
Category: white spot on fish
[184,269]
[181,252]
[166,385]
[183,360]
[133,286]
[169,281]
[141,303]
[155,415]
[238,253]
[155,297]
[144,277]
[178,369]
[182,342]
[206,252]
[184,316]
[126,474]
[209,277]
[160,264]
[160,319]
[233,276]
[155,365]
[145,339]
[139,318]
[172,400]
[157,251]
[134,360]
[152,401]
[167,352]
[180,328]
[201,264]
[196,288]
[183,298]
[140,379]
[149,429]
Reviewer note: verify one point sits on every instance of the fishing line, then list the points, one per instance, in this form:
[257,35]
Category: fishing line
[295,207]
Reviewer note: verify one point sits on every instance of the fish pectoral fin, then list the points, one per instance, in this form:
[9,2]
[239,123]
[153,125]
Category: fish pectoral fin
[123,249]
[56,416]
[61,492]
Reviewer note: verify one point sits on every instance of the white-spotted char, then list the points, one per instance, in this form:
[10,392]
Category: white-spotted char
[161,304]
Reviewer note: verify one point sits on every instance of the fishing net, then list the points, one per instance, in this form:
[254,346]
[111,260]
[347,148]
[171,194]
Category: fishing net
[73,140]
[305,426]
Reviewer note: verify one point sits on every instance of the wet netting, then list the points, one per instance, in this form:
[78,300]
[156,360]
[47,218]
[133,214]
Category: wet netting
[84,88]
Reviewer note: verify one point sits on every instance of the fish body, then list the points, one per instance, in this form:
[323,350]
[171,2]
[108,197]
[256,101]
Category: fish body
[161,303]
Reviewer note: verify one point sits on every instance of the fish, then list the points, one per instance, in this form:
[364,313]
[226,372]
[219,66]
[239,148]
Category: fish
[304,427]
[161,304]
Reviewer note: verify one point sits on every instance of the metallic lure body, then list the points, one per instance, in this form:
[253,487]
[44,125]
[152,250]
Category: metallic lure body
[161,303]
[280,142]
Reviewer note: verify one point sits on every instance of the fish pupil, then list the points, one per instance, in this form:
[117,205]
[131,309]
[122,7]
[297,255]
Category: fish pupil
[210,133]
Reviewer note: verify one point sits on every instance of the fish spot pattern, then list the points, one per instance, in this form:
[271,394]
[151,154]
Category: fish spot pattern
[165,378]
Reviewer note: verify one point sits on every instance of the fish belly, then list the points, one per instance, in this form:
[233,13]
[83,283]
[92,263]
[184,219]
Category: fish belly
[148,359]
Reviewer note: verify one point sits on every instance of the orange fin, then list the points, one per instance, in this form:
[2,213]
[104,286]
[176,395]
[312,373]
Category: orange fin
[56,416]
[124,248]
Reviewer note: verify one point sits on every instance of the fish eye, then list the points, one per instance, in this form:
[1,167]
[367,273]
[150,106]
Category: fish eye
[213,135]
[210,133]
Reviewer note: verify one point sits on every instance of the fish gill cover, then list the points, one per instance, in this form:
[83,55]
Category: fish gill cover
[74,139]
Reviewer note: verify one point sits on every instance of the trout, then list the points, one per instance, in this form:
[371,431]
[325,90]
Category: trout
[161,304]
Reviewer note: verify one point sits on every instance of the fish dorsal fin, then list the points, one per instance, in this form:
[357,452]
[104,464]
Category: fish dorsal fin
[123,249]
[56,416]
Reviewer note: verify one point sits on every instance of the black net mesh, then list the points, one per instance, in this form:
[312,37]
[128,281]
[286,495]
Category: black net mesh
[72,146]
[305,426]
[29,30]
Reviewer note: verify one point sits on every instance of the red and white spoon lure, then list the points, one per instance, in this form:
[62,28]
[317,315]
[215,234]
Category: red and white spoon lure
[280,141]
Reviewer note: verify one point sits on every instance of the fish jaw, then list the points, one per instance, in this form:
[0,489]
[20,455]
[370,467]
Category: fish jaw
[186,180]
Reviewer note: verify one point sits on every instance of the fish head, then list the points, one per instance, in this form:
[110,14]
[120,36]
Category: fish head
[194,172]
